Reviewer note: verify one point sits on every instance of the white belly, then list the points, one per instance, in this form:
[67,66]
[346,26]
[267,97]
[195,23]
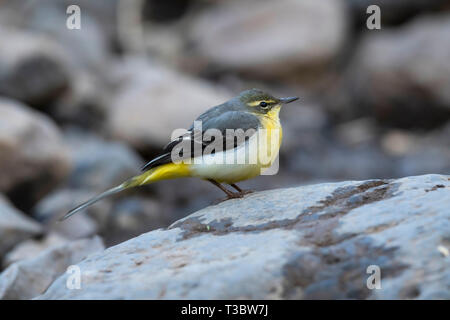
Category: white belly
[246,161]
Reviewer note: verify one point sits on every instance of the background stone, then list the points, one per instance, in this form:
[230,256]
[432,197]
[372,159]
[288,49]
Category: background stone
[271,37]
[32,68]
[14,226]
[31,248]
[33,158]
[400,76]
[99,164]
[154,101]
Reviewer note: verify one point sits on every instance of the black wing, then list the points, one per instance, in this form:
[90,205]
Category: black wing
[233,120]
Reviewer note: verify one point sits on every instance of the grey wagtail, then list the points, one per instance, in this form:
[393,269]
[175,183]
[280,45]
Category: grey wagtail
[252,112]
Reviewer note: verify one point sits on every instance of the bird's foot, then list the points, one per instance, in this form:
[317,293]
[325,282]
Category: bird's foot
[244,192]
[239,190]
[234,195]
[231,195]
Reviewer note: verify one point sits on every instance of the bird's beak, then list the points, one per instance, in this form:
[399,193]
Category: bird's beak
[288,99]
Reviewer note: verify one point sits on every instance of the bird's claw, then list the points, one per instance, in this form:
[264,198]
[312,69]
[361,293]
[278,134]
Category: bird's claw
[244,192]
[234,195]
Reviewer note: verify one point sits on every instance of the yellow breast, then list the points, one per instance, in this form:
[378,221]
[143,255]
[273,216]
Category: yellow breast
[271,123]
[266,142]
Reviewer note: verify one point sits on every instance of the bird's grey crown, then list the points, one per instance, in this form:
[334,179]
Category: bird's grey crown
[255,95]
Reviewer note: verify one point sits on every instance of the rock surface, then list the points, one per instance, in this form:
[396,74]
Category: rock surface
[306,242]
[26,279]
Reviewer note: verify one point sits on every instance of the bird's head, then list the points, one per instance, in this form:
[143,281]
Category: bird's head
[258,101]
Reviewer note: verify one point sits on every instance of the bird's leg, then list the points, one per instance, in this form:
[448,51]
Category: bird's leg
[230,195]
[240,190]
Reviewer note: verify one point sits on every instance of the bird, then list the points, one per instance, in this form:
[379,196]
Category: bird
[246,127]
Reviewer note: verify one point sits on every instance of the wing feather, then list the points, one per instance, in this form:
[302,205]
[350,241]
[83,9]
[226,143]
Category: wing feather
[233,120]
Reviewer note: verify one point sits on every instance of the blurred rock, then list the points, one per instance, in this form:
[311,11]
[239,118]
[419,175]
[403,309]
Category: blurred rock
[115,219]
[303,121]
[426,153]
[131,217]
[359,150]
[321,158]
[355,132]
[82,225]
[318,150]
[397,142]
[25,279]
[31,248]
[32,68]
[53,68]
[311,242]
[99,164]
[85,104]
[401,76]
[154,27]
[14,226]
[167,42]
[393,11]
[33,157]
[85,47]
[153,101]
[271,37]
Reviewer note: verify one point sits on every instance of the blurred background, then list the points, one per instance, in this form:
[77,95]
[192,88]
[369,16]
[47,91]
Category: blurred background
[82,110]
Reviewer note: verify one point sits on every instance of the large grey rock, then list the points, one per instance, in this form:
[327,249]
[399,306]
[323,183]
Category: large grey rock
[313,241]
[32,153]
[30,277]
[271,37]
[14,226]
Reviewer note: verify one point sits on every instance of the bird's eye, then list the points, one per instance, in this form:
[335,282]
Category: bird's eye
[263,104]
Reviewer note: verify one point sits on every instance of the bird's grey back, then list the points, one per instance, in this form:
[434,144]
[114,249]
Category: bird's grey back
[233,104]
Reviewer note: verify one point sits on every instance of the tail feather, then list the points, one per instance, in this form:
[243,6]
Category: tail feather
[167,171]
[92,201]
